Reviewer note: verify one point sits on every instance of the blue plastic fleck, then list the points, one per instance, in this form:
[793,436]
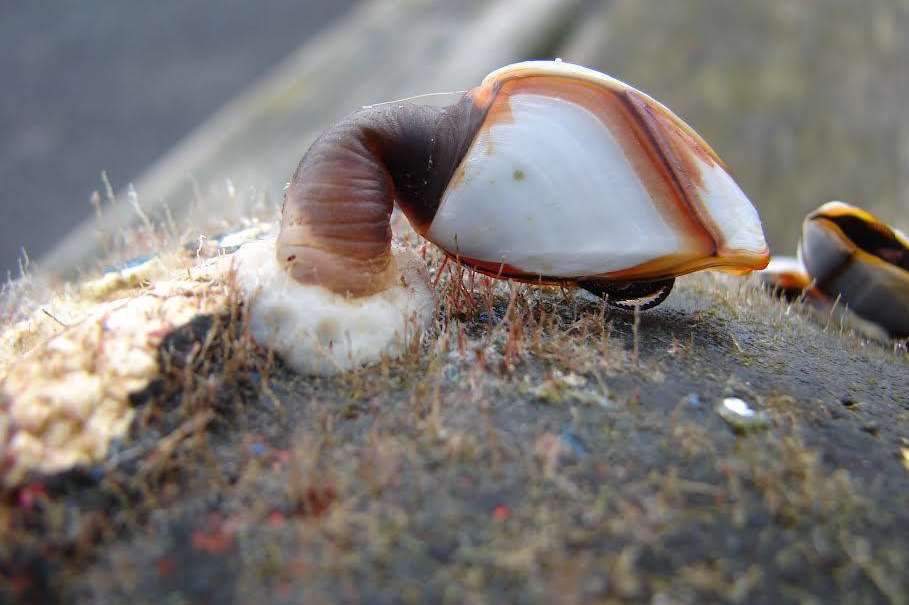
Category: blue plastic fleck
[575,443]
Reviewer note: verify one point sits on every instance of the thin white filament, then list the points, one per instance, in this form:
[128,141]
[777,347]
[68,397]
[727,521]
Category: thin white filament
[423,96]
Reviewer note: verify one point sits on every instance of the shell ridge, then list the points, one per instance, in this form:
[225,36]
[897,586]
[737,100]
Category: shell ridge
[685,186]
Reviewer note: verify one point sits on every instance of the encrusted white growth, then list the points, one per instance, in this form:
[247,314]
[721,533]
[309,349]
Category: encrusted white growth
[64,399]
[319,332]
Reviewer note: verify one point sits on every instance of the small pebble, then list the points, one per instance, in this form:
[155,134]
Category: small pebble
[742,417]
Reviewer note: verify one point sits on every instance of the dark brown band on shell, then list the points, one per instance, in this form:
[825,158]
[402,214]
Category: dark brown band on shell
[874,238]
[335,229]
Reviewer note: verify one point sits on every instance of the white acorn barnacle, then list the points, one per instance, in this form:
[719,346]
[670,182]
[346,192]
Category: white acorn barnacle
[547,172]
[320,331]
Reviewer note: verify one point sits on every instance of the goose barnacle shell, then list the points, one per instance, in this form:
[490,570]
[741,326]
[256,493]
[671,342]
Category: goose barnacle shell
[547,172]
[576,176]
[852,255]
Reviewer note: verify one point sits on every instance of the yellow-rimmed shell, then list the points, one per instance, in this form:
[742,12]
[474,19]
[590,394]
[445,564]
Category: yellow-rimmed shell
[853,255]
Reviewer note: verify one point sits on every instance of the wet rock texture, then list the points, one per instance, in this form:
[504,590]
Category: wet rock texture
[537,447]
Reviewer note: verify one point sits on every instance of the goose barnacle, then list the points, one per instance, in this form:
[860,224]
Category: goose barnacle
[852,255]
[547,173]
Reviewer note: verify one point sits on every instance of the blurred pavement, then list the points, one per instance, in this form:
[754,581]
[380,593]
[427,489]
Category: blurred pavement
[255,140]
[107,85]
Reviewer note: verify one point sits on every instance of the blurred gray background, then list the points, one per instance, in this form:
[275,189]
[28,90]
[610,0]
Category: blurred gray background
[805,101]
[111,85]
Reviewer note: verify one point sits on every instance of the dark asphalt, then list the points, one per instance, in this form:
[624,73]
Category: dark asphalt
[111,85]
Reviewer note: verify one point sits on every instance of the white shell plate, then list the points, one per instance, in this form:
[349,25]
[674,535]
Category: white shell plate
[551,192]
